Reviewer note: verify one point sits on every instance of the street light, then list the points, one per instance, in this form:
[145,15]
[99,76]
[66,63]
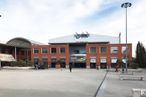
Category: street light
[126,5]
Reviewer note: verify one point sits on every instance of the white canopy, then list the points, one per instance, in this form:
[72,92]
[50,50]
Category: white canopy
[6,57]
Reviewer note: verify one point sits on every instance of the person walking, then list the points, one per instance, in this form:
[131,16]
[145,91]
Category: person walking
[70,67]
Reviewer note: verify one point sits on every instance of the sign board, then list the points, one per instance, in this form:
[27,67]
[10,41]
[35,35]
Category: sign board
[6,57]
[92,60]
[83,35]
[113,60]
[124,60]
[103,60]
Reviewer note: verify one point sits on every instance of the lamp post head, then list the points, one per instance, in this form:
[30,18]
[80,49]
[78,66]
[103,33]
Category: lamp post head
[126,4]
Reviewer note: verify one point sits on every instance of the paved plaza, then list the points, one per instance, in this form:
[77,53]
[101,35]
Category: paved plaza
[50,83]
[114,87]
[62,83]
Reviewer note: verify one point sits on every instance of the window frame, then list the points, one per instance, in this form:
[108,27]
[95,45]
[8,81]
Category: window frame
[92,51]
[101,50]
[52,49]
[60,50]
[34,50]
[46,52]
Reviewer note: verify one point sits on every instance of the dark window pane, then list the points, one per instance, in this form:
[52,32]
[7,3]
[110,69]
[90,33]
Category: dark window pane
[103,49]
[62,50]
[36,50]
[53,50]
[76,51]
[93,50]
[44,50]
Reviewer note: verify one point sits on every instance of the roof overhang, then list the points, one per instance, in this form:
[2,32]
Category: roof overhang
[19,42]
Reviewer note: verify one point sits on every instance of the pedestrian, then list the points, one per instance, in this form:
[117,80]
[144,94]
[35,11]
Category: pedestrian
[117,68]
[70,67]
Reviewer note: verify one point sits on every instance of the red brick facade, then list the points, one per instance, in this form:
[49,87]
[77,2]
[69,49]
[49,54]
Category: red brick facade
[98,55]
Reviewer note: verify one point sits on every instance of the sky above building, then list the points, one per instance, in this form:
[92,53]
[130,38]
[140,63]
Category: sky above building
[41,20]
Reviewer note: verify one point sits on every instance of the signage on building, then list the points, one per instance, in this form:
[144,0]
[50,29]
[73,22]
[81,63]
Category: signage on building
[83,35]
[113,60]
[92,60]
[103,60]
[6,57]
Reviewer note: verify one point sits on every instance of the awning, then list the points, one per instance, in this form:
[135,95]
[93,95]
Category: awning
[92,60]
[113,60]
[6,58]
[103,60]
[124,60]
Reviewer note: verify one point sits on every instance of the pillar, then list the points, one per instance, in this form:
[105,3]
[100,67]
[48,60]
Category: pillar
[15,53]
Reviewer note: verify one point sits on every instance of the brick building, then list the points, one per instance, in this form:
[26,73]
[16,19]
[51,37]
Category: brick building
[82,51]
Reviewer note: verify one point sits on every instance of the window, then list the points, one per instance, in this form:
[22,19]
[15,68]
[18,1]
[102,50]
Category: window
[62,50]
[36,50]
[76,51]
[36,60]
[53,50]
[82,52]
[45,60]
[114,50]
[44,50]
[103,49]
[93,50]
[53,60]
[124,50]
[62,60]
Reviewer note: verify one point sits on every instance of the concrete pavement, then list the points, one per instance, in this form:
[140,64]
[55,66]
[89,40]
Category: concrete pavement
[50,83]
[62,83]
[114,87]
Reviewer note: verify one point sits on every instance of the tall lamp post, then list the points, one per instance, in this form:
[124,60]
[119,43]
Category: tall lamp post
[126,5]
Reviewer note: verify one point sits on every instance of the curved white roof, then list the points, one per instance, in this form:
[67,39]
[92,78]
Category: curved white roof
[22,42]
[92,38]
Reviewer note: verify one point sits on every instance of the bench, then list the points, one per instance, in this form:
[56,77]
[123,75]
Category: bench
[138,92]
[134,78]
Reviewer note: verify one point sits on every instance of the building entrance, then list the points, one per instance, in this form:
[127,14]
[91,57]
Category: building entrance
[92,65]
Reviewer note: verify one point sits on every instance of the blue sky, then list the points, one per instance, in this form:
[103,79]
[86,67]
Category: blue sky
[41,20]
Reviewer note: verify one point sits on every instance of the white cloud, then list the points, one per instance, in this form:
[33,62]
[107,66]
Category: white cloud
[41,20]
[31,18]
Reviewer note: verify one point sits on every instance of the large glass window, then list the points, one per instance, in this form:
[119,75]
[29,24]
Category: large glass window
[62,50]
[44,50]
[114,50]
[93,50]
[82,52]
[103,49]
[36,50]
[76,51]
[53,50]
